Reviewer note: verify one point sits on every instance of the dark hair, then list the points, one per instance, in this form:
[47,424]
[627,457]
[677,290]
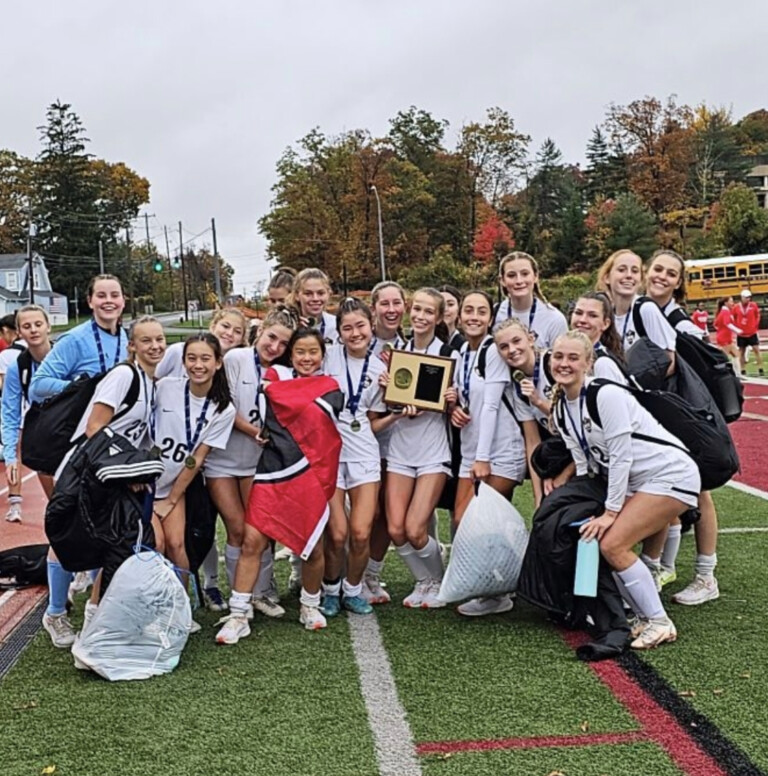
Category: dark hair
[721,302]
[219,393]
[301,333]
[521,255]
[96,278]
[610,338]
[680,292]
[283,278]
[8,322]
[452,290]
[352,305]
[475,292]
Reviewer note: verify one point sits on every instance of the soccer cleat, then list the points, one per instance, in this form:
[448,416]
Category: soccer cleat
[195,627]
[356,604]
[214,600]
[266,607]
[80,583]
[636,626]
[655,632]
[60,630]
[373,592]
[312,618]
[701,590]
[666,576]
[331,605]
[413,601]
[480,607]
[236,627]
[430,599]
[13,515]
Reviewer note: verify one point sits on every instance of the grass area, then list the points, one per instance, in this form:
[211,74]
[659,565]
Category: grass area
[288,702]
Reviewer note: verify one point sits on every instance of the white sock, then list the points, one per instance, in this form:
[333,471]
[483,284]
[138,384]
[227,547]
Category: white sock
[374,567]
[430,556]
[671,547]
[642,591]
[332,588]
[350,590]
[231,556]
[309,599]
[261,588]
[652,563]
[432,528]
[414,563]
[239,602]
[705,565]
[211,567]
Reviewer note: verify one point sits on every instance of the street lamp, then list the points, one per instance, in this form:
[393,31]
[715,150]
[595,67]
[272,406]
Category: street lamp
[381,235]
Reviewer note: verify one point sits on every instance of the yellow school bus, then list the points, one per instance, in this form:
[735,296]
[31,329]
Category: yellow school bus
[709,279]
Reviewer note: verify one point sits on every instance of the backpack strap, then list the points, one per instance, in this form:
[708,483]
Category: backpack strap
[482,356]
[592,390]
[637,318]
[496,309]
[446,350]
[678,315]
[133,392]
[24,365]
[546,365]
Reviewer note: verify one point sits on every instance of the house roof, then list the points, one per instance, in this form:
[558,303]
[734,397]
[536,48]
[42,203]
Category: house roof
[13,260]
[12,295]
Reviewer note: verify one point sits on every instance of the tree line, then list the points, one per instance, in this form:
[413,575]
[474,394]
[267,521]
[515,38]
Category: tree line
[74,206]
[657,174]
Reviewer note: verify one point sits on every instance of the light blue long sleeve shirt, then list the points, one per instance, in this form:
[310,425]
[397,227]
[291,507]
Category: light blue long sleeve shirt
[12,412]
[76,354]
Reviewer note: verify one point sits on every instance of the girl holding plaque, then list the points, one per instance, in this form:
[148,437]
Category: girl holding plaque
[418,466]
[357,370]
[229,472]
[193,415]
[519,279]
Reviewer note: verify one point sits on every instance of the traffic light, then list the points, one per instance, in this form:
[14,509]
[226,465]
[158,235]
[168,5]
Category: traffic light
[158,265]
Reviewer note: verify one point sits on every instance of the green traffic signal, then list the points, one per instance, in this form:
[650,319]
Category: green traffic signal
[158,265]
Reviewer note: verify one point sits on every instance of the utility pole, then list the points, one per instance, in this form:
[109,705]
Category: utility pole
[31,267]
[77,308]
[183,274]
[216,275]
[101,257]
[170,268]
[130,271]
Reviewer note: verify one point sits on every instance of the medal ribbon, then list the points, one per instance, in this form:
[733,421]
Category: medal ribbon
[531,314]
[100,348]
[192,440]
[353,401]
[467,370]
[581,437]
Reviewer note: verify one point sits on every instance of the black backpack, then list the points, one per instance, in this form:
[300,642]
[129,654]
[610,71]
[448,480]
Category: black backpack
[707,361]
[48,427]
[24,566]
[708,441]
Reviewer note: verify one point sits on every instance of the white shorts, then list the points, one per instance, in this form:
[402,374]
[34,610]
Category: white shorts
[417,471]
[511,470]
[683,483]
[355,473]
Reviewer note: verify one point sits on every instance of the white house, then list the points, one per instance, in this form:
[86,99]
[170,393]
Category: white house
[14,287]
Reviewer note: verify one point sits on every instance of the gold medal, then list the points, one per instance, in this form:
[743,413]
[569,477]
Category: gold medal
[355,425]
[518,375]
[190,462]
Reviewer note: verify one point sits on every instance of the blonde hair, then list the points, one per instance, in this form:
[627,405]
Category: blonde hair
[522,255]
[601,284]
[132,333]
[513,323]
[436,296]
[234,312]
[32,308]
[310,273]
[383,285]
[589,351]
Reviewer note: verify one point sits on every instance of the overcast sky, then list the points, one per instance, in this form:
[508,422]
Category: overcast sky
[202,98]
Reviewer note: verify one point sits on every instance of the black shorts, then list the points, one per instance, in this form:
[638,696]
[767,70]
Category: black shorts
[751,341]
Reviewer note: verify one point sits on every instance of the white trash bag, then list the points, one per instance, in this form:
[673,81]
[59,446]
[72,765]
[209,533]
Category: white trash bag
[141,625]
[487,551]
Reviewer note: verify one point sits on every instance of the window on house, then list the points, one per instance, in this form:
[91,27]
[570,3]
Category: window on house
[11,281]
[37,279]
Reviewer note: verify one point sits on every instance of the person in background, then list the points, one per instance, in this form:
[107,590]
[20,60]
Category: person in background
[746,316]
[8,333]
[700,316]
[447,329]
[725,329]
[280,286]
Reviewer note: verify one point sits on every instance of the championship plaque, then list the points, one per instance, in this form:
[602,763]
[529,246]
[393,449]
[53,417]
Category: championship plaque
[418,379]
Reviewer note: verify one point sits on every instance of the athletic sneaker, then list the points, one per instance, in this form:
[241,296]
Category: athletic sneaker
[413,601]
[655,632]
[331,605]
[60,630]
[283,554]
[89,613]
[480,607]
[636,626]
[266,607]
[356,604]
[373,592]
[701,590]
[13,515]
[214,600]
[312,618]
[80,583]
[235,628]
[667,576]
[195,627]
[430,599]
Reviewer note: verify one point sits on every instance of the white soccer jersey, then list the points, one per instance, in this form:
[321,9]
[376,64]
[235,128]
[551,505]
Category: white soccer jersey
[546,322]
[172,364]
[686,324]
[361,445]
[383,436]
[170,428]
[327,327]
[631,463]
[657,327]
[524,410]
[492,434]
[605,366]
[112,391]
[8,357]
[423,440]
[241,455]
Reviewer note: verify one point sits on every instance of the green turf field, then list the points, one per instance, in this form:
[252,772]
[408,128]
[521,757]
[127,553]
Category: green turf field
[287,702]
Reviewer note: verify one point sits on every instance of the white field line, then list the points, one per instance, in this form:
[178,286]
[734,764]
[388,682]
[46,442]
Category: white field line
[743,530]
[6,596]
[23,480]
[748,489]
[392,735]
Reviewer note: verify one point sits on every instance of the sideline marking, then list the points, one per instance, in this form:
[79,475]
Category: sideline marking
[6,596]
[748,489]
[737,530]
[392,737]
[754,415]
[533,742]
[23,480]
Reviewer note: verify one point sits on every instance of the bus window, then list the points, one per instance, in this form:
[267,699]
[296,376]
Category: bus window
[694,277]
[765,269]
[719,272]
[742,272]
[707,274]
[730,272]
[755,269]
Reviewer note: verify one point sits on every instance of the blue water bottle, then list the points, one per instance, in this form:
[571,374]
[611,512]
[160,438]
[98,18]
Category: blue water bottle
[587,563]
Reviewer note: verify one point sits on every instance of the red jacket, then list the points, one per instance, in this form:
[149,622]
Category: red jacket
[746,317]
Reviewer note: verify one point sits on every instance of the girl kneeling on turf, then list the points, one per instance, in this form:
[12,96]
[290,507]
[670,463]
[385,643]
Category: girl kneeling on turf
[651,478]
[357,370]
[306,352]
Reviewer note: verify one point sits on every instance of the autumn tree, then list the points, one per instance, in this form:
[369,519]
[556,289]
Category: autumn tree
[493,239]
[621,223]
[740,225]
[15,201]
[752,133]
